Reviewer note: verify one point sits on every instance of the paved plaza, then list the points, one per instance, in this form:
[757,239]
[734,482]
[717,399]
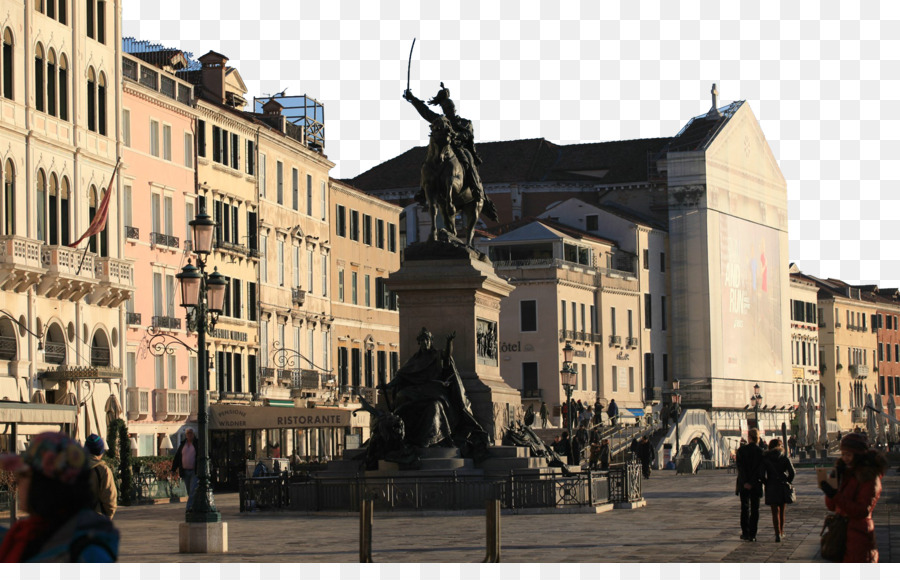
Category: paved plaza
[687,519]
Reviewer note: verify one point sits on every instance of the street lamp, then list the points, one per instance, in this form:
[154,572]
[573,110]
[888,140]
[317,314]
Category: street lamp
[755,400]
[203,295]
[676,408]
[569,376]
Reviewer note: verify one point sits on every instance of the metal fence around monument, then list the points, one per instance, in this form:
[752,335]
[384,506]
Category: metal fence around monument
[439,493]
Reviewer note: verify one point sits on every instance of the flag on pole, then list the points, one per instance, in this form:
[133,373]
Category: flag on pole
[98,224]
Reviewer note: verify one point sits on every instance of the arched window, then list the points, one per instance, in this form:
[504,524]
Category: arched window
[53,210]
[41,207]
[92,211]
[55,346]
[64,211]
[51,83]
[6,65]
[8,347]
[91,99]
[39,78]
[99,350]
[101,104]
[8,210]
[63,88]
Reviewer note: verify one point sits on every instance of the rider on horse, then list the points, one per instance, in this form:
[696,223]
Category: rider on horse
[463,142]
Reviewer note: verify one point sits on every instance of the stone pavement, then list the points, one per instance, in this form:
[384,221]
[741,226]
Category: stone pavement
[687,519]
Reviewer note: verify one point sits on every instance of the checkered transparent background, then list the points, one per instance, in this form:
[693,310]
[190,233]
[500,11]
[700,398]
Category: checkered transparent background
[821,77]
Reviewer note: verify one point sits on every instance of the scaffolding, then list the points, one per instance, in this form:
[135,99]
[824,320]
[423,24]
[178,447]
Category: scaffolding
[304,113]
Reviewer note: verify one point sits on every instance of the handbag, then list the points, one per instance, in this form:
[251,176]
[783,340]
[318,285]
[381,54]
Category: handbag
[834,537]
[790,496]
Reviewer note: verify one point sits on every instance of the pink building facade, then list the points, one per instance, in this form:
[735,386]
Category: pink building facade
[158,186]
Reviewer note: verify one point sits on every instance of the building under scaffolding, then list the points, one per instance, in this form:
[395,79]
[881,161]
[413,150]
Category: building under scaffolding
[306,117]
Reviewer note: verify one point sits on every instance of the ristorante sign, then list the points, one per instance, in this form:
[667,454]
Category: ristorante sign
[235,417]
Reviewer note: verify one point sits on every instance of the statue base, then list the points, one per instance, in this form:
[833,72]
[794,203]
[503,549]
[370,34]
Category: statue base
[203,538]
[445,286]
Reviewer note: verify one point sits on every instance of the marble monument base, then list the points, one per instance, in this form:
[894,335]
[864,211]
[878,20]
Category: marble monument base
[203,538]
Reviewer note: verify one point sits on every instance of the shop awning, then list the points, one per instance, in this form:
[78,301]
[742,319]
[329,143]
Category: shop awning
[280,402]
[634,412]
[35,413]
[245,417]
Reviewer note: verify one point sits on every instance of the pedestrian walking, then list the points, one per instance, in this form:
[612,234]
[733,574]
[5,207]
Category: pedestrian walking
[645,453]
[613,412]
[859,473]
[185,463]
[779,477]
[749,484]
[598,410]
[52,485]
[544,413]
[604,455]
[101,479]
[792,446]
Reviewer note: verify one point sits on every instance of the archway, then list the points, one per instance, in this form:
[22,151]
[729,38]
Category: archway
[55,347]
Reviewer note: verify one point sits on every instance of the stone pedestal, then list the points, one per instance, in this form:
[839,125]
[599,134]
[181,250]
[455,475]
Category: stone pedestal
[446,288]
[203,538]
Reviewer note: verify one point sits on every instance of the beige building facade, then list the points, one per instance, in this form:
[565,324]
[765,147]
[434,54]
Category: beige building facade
[805,326]
[62,319]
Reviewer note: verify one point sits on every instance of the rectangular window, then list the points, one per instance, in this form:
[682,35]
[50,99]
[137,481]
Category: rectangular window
[169,210]
[630,379]
[646,259]
[309,196]
[529,379]
[392,238]
[216,144]
[188,150]
[379,234]
[662,262]
[612,316]
[367,230]
[158,294]
[170,296]
[173,371]
[235,151]
[295,263]
[251,301]
[562,311]
[615,379]
[279,253]
[583,318]
[188,216]
[156,213]
[262,175]
[250,157]
[353,294]
[159,373]
[593,320]
[167,142]
[355,367]
[263,268]
[279,182]
[630,323]
[340,221]
[201,138]
[131,367]
[340,284]
[154,138]
[528,316]
[128,210]
[324,208]
[881,351]
[367,294]
[126,127]
[648,311]
[309,271]
[382,368]
[295,184]
[354,225]
[324,275]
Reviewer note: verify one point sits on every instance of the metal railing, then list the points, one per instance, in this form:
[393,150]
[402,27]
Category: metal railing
[166,322]
[7,348]
[632,342]
[615,339]
[55,352]
[285,374]
[132,233]
[267,372]
[158,239]
[99,356]
[133,318]
[298,296]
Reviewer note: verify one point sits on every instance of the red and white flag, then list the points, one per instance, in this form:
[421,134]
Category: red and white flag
[98,224]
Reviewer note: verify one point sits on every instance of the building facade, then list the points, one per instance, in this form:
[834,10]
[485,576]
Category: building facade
[804,338]
[62,323]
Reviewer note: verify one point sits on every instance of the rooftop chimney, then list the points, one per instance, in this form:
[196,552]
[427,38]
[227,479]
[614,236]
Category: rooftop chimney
[213,76]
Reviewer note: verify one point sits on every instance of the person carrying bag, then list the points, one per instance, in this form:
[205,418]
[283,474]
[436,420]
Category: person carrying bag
[779,477]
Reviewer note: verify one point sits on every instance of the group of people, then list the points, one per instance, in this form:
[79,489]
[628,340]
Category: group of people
[766,471]
[70,496]
[583,414]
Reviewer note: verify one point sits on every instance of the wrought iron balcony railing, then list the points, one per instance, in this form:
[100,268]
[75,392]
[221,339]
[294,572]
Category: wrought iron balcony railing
[158,239]
[99,356]
[133,318]
[7,348]
[632,342]
[166,322]
[55,352]
[615,340]
[132,233]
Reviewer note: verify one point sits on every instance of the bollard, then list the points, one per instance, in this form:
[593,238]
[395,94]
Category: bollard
[492,518]
[366,513]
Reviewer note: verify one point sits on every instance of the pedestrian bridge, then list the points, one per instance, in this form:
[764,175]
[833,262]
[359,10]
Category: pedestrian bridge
[695,424]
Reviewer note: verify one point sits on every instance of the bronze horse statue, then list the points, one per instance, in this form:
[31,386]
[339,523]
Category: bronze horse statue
[443,184]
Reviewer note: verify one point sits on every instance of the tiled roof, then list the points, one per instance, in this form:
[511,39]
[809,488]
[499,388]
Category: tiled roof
[529,160]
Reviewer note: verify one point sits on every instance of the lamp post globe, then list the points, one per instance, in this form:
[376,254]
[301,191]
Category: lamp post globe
[215,288]
[202,228]
[190,278]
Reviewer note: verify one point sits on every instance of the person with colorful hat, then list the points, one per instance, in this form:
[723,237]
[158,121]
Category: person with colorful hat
[859,473]
[52,485]
[102,481]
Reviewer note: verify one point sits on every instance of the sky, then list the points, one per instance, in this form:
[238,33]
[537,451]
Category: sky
[822,78]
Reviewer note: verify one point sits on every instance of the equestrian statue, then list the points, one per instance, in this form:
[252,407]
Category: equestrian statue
[450,180]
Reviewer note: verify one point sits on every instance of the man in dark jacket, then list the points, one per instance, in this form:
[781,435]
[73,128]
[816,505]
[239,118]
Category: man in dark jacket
[613,411]
[645,453]
[185,462]
[749,484]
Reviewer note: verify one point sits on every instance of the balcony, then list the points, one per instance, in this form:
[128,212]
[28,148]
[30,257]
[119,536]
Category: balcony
[170,405]
[116,279]
[266,373]
[239,249]
[837,324]
[566,335]
[285,374]
[133,318]
[307,380]
[632,342]
[7,348]
[165,240]
[132,233]
[188,246]
[581,336]
[615,340]
[69,273]
[166,322]
[858,415]
[859,371]
[55,353]
[99,356]
[20,263]
[298,296]
[137,403]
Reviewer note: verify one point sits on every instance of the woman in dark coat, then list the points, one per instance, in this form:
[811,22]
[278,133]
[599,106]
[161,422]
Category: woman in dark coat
[859,472]
[779,473]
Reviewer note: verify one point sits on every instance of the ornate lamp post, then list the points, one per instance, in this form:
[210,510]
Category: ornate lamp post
[676,408]
[569,379]
[755,400]
[203,294]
